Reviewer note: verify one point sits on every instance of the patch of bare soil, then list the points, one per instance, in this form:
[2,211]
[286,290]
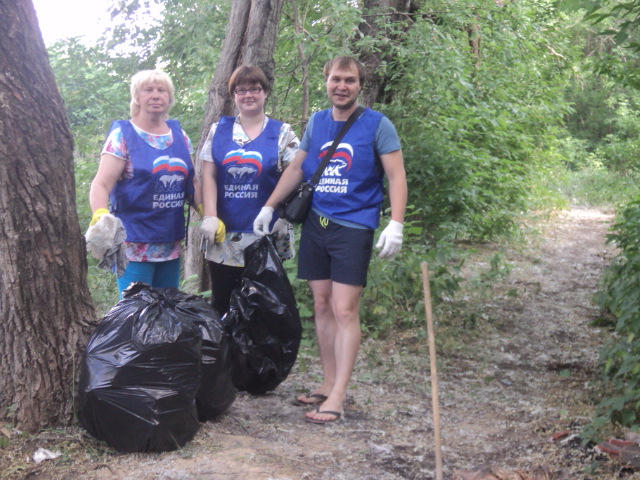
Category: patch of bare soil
[507,386]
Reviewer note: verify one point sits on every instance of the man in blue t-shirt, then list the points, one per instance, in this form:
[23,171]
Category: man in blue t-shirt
[337,237]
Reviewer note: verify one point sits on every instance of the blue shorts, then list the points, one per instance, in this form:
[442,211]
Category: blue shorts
[329,251]
[156,274]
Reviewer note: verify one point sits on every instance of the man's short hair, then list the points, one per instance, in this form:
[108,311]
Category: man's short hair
[344,62]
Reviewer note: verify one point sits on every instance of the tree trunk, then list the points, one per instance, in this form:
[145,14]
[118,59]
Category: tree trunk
[45,305]
[250,40]
[304,66]
[376,14]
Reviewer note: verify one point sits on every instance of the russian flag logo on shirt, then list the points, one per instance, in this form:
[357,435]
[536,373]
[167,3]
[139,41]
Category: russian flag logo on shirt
[341,159]
[243,165]
[170,165]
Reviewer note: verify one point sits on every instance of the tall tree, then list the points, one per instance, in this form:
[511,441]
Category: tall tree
[251,39]
[382,19]
[45,305]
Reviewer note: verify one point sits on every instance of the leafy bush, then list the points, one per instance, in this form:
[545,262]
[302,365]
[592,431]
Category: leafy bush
[393,298]
[474,127]
[621,357]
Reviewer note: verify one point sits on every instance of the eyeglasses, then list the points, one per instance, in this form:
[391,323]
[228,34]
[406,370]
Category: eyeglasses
[244,91]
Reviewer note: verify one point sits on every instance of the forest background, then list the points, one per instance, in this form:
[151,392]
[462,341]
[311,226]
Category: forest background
[505,110]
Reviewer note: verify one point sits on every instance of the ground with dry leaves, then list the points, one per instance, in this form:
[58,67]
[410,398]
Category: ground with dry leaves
[517,375]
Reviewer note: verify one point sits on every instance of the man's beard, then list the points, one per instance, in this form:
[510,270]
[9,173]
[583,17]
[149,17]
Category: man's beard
[346,106]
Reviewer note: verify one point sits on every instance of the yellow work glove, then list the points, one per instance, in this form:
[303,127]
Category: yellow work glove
[213,229]
[221,232]
[97,214]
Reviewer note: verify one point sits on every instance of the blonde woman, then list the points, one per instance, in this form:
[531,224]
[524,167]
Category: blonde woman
[145,176]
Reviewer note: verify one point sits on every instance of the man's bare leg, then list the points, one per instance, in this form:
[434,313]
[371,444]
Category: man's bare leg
[325,327]
[339,345]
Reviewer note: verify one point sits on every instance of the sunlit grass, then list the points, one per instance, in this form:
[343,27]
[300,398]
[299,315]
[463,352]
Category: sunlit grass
[598,187]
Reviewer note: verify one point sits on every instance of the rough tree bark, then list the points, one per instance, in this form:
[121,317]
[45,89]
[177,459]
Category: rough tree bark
[45,305]
[298,27]
[250,39]
[376,14]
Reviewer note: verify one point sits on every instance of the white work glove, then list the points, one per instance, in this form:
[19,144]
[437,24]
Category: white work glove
[262,221]
[280,228]
[390,240]
[101,235]
[105,240]
[213,229]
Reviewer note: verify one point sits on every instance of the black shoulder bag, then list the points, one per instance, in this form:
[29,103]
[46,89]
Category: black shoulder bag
[296,206]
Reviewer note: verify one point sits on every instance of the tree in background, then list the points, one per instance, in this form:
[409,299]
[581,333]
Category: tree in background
[45,305]
[619,52]
[388,19]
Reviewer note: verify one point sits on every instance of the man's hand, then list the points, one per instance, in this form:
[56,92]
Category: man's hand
[213,229]
[390,240]
[262,221]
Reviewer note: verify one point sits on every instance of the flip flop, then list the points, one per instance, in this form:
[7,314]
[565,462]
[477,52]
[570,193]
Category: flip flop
[626,452]
[314,397]
[323,422]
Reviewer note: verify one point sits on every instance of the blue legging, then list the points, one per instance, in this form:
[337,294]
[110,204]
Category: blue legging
[156,274]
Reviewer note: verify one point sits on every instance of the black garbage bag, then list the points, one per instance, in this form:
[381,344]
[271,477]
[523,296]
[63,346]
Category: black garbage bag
[142,371]
[217,391]
[264,322]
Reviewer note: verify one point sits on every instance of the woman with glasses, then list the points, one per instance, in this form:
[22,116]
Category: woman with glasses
[243,158]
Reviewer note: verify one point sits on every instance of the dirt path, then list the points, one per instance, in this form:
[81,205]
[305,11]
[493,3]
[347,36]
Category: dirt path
[521,375]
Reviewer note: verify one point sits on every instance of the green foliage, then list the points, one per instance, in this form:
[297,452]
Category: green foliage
[393,298]
[618,23]
[95,89]
[605,118]
[103,288]
[592,114]
[627,17]
[575,175]
[300,288]
[545,193]
[596,187]
[621,357]
[327,29]
[475,124]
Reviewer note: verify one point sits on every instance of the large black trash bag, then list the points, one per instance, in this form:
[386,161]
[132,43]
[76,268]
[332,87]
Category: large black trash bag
[264,322]
[142,371]
[216,392]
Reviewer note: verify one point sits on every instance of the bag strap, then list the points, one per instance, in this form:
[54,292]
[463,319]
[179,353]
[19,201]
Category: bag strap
[327,158]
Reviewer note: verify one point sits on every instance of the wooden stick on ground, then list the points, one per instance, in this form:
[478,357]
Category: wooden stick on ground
[434,371]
